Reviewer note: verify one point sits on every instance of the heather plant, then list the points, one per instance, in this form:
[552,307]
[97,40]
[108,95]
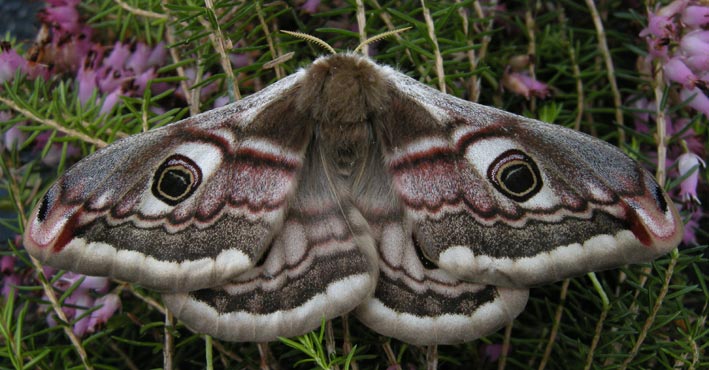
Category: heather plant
[636,75]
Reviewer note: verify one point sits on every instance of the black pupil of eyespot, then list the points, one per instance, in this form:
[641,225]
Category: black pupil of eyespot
[515,175]
[518,178]
[175,183]
[43,208]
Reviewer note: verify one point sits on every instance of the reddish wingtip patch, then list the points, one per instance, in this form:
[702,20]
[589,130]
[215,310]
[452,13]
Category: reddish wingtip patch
[67,234]
[638,228]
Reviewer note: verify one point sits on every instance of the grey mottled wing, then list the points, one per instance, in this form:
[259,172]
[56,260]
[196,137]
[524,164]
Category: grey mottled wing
[187,206]
[499,199]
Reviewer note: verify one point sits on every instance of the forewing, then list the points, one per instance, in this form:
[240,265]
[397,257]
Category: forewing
[500,199]
[183,207]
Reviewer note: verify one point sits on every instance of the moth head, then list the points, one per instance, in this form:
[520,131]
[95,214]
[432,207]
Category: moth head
[176,179]
[515,174]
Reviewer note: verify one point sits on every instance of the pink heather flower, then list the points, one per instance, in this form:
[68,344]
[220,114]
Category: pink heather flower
[698,62]
[696,99]
[690,228]
[673,8]
[695,15]
[67,52]
[141,81]
[689,165]
[144,57]
[109,303]
[7,264]
[10,62]
[110,101]
[310,6]
[96,283]
[695,43]
[63,18]
[642,114]
[138,60]
[674,127]
[83,301]
[86,81]
[87,76]
[657,48]
[10,278]
[14,137]
[521,84]
[677,71]
[111,79]
[9,283]
[34,70]
[660,22]
[117,58]
[158,55]
[659,26]
[48,271]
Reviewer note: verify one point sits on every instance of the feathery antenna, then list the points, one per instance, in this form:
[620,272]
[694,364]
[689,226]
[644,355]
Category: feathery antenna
[380,36]
[312,39]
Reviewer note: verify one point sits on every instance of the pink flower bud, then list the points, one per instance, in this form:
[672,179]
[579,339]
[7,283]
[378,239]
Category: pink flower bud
[7,264]
[677,71]
[659,26]
[98,284]
[689,165]
[695,43]
[696,99]
[522,84]
[698,62]
[642,109]
[695,16]
[110,101]
[138,60]
[81,326]
[14,136]
[673,8]
[141,81]
[110,79]
[86,79]
[109,303]
[64,18]
[117,58]
[9,284]
[310,6]
[158,55]
[10,62]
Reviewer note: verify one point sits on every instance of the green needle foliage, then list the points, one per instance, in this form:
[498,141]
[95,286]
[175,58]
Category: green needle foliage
[638,317]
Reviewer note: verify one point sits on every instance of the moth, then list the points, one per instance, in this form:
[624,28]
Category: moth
[351,187]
